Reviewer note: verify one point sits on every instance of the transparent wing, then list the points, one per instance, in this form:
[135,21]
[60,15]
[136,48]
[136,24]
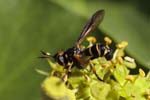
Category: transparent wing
[92,23]
[80,60]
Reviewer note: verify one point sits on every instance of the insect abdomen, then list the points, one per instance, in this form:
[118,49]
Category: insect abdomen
[95,51]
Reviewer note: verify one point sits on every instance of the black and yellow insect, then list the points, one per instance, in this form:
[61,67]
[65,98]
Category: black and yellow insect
[77,56]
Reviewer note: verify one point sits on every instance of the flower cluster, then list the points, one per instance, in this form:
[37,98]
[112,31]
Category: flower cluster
[117,84]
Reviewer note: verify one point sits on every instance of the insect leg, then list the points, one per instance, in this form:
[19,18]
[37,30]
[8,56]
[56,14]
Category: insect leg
[94,71]
[65,77]
[86,77]
[68,71]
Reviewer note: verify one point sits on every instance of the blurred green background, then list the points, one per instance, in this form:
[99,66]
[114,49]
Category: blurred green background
[28,26]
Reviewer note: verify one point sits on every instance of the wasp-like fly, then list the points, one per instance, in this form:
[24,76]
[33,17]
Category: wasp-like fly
[77,56]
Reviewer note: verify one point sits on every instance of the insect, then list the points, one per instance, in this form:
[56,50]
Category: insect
[77,56]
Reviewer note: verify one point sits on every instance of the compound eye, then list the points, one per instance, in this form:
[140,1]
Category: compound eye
[61,58]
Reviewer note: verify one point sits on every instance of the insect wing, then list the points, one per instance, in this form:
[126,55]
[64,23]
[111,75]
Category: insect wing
[80,61]
[92,23]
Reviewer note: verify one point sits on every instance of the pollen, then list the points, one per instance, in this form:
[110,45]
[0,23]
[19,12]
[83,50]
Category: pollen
[105,65]
[120,60]
[122,44]
[142,73]
[91,39]
[148,92]
[107,40]
[148,97]
[130,78]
